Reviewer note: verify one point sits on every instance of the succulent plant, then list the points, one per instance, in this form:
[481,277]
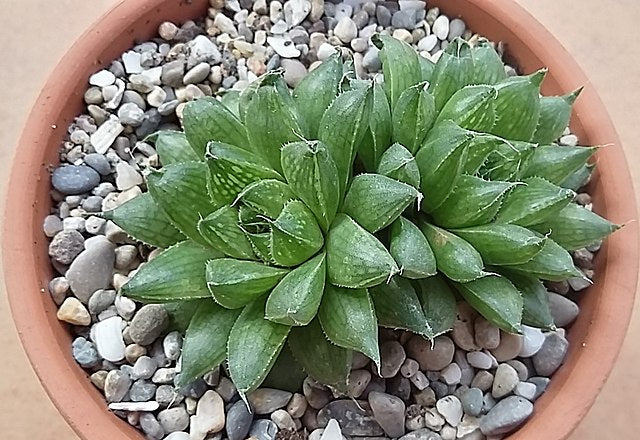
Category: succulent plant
[316,215]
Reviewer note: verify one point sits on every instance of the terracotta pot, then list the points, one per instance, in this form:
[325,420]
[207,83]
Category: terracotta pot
[605,309]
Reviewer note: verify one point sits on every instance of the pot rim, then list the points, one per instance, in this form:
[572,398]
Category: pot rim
[598,337]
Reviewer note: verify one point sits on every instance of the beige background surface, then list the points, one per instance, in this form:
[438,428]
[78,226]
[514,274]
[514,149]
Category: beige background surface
[602,36]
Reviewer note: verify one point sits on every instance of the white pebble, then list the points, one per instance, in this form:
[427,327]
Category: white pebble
[283,46]
[451,409]
[134,406]
[526,390]
[102,78]
[427,43]
[107,335]
[570,140]
[441,27]
[131,61]
[325,51]
[456,29]
[451,374]
[104,136]
[532,341]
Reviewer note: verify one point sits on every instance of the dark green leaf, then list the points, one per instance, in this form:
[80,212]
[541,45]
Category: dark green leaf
[343,126]
[508,160]
[455,257]
[438,303]
[400,66]
[375,201]
[267,196]
[496,299]
[296,298]
[576,227]
[181,191]
[487,65]
[205,342]
[501,244]
[398,163]
[181,312]
[555,112]
[295,235]
[472,107]
[473,202]
[578,179]
[178,273]
[453,71]
[413,116]
[315,93]
[556,164]
[207,119]
[287,373]
[349,321]
[441,161]
[143,219]
[536,301]
[313,177]
[231,169]
[534,202]
[273,120]
[254,344]
[397,306]
[411,250]
[223,232]
[480,147]
[322,360]
[378,137]
[261,243]
[173,147]
[552,263]
[355,258]
[236,283]
[518,106]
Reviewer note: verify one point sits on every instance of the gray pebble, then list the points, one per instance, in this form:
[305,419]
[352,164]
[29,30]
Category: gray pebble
[389,412]
[195,389]
[151,427]
[144,368]
[353,417]
[116,385]
[456,29]
[92,204]
[361,19]
[172,345]
[421,434]
[267,400]
[197,74]
[164,375]
[66,246]
[133,97]
[472,401]
[172,73]
[74,179]
[506,416]
[404,19]
[506,379]
[526,389]
[541,384]
[563,310]
[549,358]
[150,321]
[85,353]
[58,288]
[130,114]
[92,269]
[346,30]
[371,60]
[392,356]
[263,429]
[101,300]
[431,358]
[294,71]
[167,395]
[51,225]
[383,15]
[174,419]
[358,382]
[238,422]
[142,391]
[482,380]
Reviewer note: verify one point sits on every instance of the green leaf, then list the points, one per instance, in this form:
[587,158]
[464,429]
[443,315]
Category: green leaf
[323,361]
[535,297]
[438,303]
[556,164]
[231,169]
[342,128]
[315,93]
[441,161]
[236,283]
[455,257]
[176,274]
[518,106]
[413,116]
[261,243]
[400,65]
[503,244]
[378,137]
[205,342]
[411,250]
[427,67]
[267,196]
[453,71]
[287,373]
[143,219]
[552,263]
[231,100]
[295,235]
[181,191]
[480,148]
[181,312]
[472,107]
[534,202]
[296,298]
[355,258]
[313,177]
[173,147]
[555,113]
[254,344]
[398,307]
[273,120]
[488,67]
[223,232]
[375,201]
[578,179]
[576,227]
[398,163]
[496,299]
[349,321]
[207,119]
[508,160]
[473,202]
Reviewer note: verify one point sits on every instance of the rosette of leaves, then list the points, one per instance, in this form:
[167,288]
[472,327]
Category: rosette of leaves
[312,217]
